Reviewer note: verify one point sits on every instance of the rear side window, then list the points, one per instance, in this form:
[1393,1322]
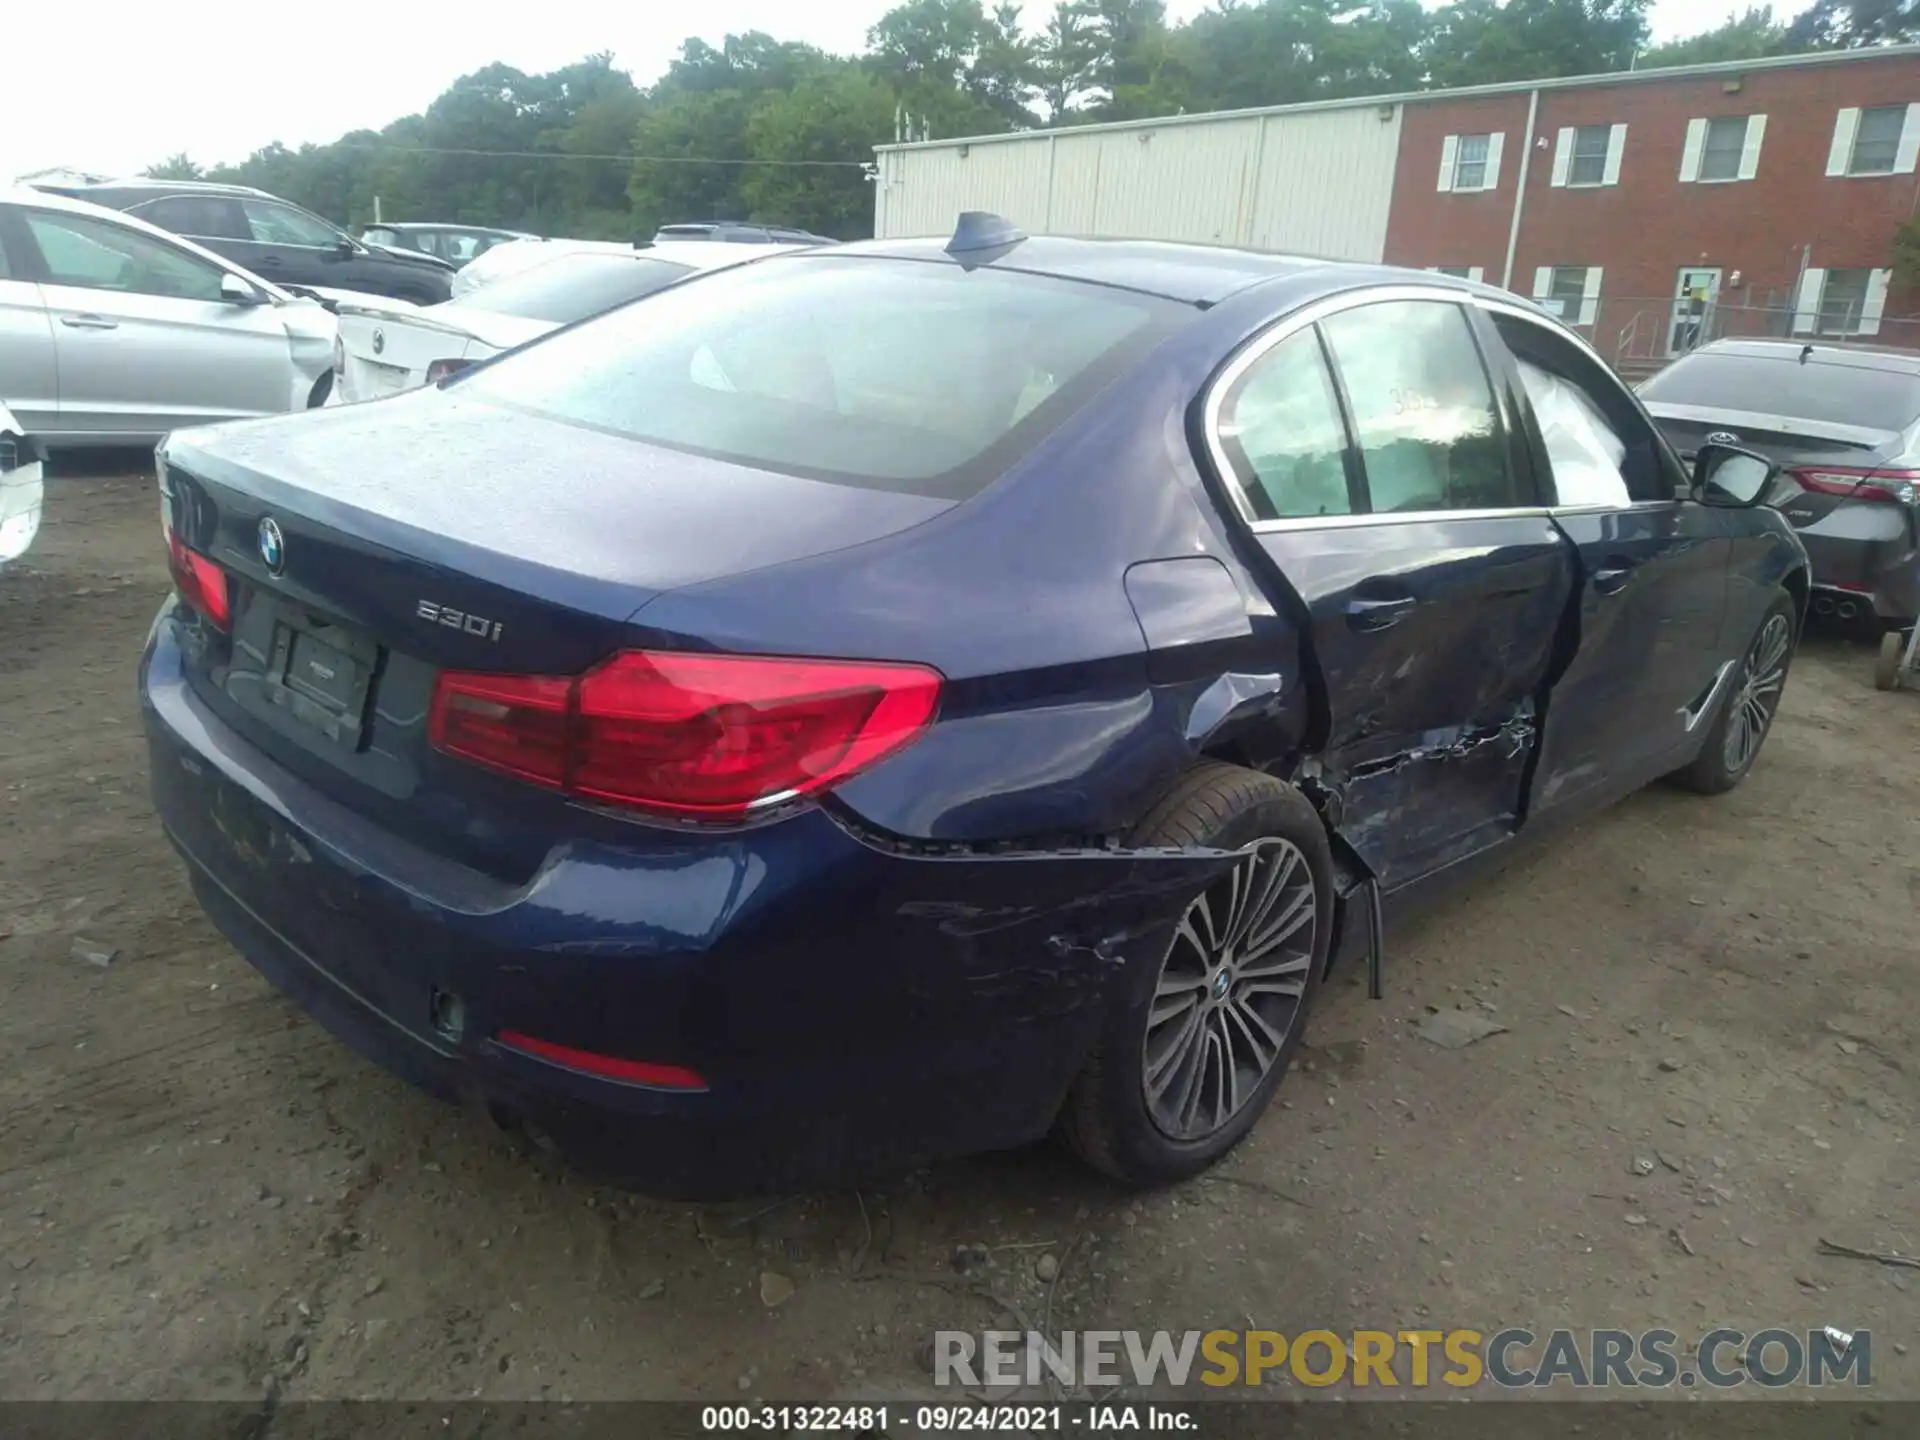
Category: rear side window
[893,374]
[1831,391]
[575,286]
[1281,429]
[1423,408]
[209,215]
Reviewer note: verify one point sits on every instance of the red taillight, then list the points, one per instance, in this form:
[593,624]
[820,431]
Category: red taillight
[439,370]
[1892,487]
[201,583]
[708,737]
[611,1067]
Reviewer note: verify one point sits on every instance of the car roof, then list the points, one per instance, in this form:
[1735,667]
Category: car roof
[452,225]
[1194,274]
[1849,355]
[706,254]
[142,184]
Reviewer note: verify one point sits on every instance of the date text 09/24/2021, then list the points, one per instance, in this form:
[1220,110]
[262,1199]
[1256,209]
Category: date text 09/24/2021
[944,1419]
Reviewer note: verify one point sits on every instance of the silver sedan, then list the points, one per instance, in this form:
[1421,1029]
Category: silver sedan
[113,331]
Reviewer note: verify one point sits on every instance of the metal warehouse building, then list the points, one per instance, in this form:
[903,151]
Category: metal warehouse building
[1654,209]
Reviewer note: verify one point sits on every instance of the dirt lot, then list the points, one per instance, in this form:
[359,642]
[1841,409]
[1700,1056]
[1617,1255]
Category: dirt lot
[203,1195]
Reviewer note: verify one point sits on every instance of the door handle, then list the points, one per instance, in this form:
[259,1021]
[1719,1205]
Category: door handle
[89,322]
[267,262]
[1612,578]
[1367,615]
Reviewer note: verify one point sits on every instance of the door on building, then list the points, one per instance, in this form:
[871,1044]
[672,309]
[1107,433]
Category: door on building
[1693,300]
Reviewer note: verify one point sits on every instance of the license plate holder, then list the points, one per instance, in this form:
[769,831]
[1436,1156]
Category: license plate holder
[322,675]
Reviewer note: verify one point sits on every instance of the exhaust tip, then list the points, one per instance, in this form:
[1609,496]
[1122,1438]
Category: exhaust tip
[1823,605]
[1846,609]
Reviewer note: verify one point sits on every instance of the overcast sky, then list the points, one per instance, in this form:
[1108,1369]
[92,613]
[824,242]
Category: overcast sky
[116,90]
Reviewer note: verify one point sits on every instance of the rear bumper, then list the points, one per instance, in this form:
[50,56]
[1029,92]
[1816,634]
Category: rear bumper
[854,1009]
[1866,553]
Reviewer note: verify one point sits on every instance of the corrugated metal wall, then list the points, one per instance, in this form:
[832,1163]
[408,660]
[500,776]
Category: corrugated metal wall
[1316,183]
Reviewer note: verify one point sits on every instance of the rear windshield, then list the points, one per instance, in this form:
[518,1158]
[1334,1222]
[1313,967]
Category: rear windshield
[573,287]
[894,374]
[1836,393]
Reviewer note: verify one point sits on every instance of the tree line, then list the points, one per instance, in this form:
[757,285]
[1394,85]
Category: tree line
[765,129]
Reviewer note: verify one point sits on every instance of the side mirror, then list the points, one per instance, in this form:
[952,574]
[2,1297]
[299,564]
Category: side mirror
[344,249]
[236,291]
[1731,478]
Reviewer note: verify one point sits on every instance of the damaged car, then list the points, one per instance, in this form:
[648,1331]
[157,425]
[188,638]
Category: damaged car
[902,700]
[21,489]
[113,332]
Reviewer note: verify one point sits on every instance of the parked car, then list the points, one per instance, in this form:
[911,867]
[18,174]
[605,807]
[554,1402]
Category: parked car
[273,238]
[455,244]
[896,700]
[1844,422]
[739,232]
[20,488]
[512,256]
[114,331]
[381,353]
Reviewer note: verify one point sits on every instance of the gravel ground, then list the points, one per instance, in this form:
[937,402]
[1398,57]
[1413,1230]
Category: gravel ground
[202,1195]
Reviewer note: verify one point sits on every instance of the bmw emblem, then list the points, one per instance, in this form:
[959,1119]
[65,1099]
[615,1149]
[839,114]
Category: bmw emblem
[379,342]
[273,546]
[1723,437]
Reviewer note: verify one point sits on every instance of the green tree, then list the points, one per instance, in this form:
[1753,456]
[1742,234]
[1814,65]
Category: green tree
[813,131]
[178,166]
[1063,60]
[1751,35]
[1482,42]
[1840,24]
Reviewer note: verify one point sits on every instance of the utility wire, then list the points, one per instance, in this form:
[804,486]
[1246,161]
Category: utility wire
[565,155]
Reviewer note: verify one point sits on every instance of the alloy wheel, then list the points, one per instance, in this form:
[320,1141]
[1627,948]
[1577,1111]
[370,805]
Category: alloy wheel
[1759,694]
[1230,991]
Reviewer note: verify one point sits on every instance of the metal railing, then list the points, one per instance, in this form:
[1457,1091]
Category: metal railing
[1641,334]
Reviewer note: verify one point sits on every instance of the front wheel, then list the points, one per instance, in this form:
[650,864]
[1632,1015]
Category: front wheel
[1192,1053]
[1741,727]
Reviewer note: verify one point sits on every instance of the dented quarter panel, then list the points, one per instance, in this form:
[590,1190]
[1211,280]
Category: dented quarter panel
[22,488]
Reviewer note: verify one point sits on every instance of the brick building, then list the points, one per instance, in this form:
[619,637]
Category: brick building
[1652,209]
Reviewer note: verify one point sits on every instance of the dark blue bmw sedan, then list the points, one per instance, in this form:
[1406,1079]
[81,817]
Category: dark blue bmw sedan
[882,703]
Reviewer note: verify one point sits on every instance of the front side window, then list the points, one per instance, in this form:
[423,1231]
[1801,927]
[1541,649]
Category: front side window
[1281,429]
[99,255]
[1590,145]
[274,224]
[890,374]
[1876,140]
[1720,152]
[1470,162]
[1423,408]
[1582,449]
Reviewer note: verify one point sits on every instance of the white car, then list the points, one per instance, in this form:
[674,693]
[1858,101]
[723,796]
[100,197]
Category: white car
[20,489]
[384,349]
[115,331]
[513,256]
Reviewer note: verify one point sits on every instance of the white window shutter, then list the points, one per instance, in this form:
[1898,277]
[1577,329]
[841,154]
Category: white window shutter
[1495,142]
[1750,150]
[1690,156]
[1542,282]
[1840,153]
[1909,151]
[1590,296]
[1876,302]
[1616,148]
[1562,156]
[1449,148]
[1478,273]
[1807,307]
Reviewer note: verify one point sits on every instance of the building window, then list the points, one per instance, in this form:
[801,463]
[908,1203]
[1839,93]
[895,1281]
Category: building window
[1720,155]
[1841,302]
[1470,162]
[1723,149]
[1461,272]
[1590,145]
[1571,292]
[1876,142]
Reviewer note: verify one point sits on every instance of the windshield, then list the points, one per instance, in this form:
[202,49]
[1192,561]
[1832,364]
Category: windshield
[572,287]
[894,374]
[1830,390]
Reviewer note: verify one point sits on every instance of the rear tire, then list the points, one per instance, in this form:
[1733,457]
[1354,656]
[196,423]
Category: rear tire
[1886,670]
[1746,715]
[1194,1048]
